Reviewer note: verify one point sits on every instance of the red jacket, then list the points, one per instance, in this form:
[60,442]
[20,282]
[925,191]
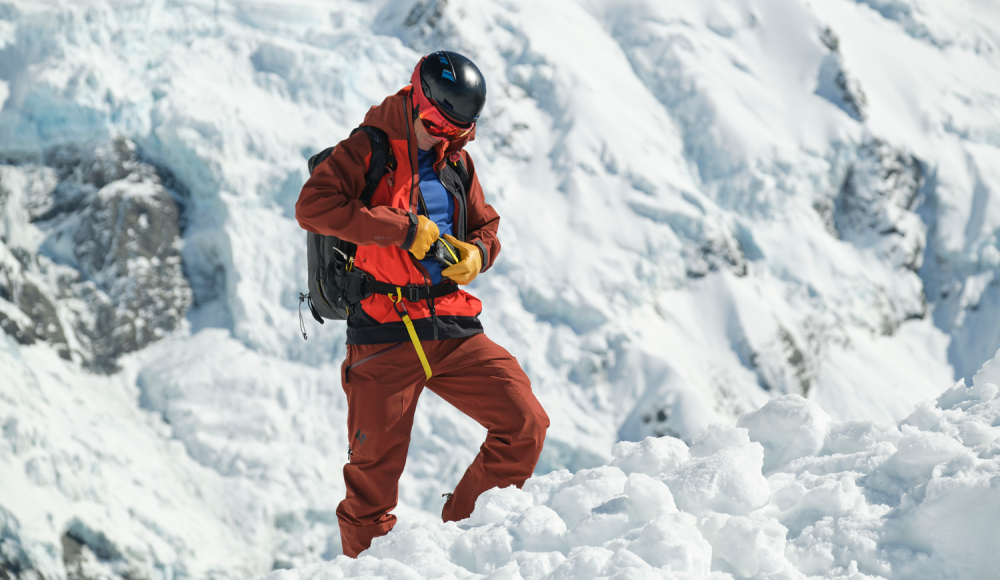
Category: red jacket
[384,230]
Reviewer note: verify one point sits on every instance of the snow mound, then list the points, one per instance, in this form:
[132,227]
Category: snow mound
[850,500]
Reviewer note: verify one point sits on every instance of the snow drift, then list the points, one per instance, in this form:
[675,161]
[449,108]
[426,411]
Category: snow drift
[786,493]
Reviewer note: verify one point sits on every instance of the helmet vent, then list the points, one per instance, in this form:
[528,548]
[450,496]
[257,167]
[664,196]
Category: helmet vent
[448,104]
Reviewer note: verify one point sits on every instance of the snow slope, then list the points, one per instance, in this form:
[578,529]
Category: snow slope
[786,493]
[706,205]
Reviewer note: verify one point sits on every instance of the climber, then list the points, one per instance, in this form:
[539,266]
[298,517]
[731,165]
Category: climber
[416,327]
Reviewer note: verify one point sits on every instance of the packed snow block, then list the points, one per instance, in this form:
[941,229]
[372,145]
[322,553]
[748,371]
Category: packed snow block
[850,437]
[672,540]
[727,481]
[807,498]
[537,564]
[747,546]
[367,567]
[539,529]
[919,455]
[788,428]
[425,551]
[717,437]
[544,487]
[499,505]
[483,549]
[587,489]
[603,524]
[652,456]
[648,498]
[585,563]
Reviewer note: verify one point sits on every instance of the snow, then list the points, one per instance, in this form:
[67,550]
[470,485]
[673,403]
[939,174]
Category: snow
[841,499]
[759,232]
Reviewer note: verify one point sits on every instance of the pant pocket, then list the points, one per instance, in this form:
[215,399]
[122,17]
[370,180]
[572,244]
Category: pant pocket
[348,367]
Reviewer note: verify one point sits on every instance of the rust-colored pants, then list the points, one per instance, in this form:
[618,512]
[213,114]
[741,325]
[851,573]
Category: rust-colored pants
[383,383]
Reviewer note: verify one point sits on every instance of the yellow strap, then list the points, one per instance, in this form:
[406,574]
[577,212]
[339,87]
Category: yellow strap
[413,334]
[454,257]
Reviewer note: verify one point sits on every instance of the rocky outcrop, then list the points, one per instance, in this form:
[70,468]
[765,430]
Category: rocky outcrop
[875,204]
[90,555]
[30,315]
[110,252]
[835,84]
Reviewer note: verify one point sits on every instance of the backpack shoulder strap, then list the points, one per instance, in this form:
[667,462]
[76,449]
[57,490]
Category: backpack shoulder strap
[457,163]
[380,159]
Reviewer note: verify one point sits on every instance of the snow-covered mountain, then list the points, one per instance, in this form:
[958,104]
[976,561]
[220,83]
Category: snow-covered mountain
[705,206]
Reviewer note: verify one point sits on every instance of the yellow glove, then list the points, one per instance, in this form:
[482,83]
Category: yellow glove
[427,234]
[470,262]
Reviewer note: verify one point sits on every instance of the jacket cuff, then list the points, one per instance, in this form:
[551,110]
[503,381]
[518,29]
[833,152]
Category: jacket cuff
[486,255]
[411,233]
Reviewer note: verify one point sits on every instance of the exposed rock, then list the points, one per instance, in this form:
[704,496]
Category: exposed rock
[714,254]
[43,322]
[90,555]
[27,314]
[875,202]
[835,84]
[112,226]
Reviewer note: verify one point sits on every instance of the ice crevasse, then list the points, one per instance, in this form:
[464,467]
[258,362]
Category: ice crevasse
[785,493]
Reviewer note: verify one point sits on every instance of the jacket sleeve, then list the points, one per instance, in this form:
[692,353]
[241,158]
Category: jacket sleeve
[329,205]
[483,220]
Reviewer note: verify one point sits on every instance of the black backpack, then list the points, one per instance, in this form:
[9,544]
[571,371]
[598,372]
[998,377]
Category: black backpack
[335,285]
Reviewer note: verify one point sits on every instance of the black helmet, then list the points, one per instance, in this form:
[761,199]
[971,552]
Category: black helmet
[453,84]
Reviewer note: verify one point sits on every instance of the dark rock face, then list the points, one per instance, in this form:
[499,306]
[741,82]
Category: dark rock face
[89,555]
[876,201]
[836,85]
[41,321]
[111,255]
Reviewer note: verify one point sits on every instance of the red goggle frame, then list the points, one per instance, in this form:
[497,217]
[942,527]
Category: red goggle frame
[435,122]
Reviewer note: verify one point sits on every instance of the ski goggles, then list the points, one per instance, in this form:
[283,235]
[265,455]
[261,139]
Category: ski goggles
[435,121]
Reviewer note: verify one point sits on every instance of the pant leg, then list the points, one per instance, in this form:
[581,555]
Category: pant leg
[382,383]
[485,382]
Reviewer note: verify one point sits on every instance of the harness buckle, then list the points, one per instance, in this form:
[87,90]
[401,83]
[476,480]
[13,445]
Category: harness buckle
[413,293]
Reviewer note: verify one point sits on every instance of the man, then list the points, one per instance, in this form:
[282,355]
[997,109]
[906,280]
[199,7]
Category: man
[428,334]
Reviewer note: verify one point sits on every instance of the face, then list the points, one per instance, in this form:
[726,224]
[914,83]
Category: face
[425,141]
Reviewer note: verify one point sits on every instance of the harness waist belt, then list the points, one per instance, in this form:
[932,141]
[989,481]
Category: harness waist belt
[412,292]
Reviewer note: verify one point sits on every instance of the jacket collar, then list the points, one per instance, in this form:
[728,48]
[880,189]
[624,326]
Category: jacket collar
[395,111]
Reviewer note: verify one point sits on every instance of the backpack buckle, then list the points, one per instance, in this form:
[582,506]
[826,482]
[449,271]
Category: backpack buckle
[413,293]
